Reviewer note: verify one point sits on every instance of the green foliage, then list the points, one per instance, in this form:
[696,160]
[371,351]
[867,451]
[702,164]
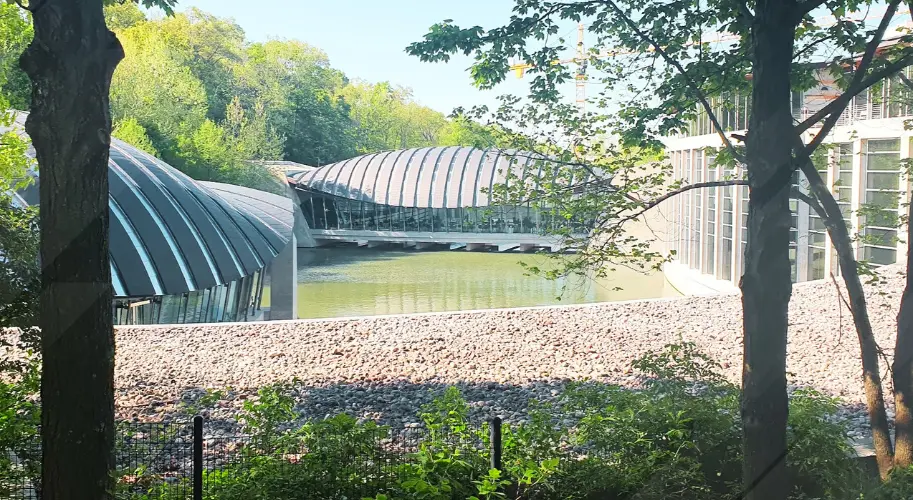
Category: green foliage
[193,91]
[206,153]
[155,86]
[464,131]
[20,416]
[680,362]
[130,131]
[15,34]
[386,118]
[20,276]
[20,286]
[899,486]
[678,439]
[123,15]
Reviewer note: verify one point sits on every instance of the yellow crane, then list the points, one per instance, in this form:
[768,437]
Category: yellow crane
[581,58]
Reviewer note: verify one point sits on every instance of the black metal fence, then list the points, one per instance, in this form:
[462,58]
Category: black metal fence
[179,460]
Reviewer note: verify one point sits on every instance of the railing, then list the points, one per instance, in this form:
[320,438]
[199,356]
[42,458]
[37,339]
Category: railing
[179,461]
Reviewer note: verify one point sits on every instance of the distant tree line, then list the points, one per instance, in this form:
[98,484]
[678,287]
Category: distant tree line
[194,92]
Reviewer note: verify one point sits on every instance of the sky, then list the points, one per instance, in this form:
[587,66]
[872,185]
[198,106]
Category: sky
[366,39]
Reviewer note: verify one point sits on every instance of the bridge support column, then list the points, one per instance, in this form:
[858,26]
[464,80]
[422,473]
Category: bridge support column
[283,288]
[473,247]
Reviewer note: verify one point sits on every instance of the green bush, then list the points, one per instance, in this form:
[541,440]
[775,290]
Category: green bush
[899,486]
[678,438]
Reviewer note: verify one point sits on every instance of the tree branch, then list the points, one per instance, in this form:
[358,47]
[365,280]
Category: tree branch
[807,6]
[689,187]
[677,65]
[859,82]
[833,110]
[745,12]
[906,81]
[813,203]
[812,45]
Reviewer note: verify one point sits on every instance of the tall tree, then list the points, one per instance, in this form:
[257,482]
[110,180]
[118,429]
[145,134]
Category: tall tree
[298,89]
[70,62]
[156,87]
[212,50]
[657,92]
[15,33]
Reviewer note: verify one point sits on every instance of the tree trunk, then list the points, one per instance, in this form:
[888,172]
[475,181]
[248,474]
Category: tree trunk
[70,63]
[871,377]
[902,370]
[766,284]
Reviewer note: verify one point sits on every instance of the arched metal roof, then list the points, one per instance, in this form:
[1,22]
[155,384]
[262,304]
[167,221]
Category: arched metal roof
[169,234]
[273,211]
[441,177]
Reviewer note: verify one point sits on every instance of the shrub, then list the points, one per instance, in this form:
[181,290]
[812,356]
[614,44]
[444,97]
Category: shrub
[677,438]
[899,486]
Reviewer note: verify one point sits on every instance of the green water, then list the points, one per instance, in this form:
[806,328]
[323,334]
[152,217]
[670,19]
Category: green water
[346,281]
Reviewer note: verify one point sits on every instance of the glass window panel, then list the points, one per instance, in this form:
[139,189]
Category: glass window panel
[881,237]
[171,305]
[815,263]
[886,199]
[879,256]
[882,161]
[882,145]
[883,218]
[882,180]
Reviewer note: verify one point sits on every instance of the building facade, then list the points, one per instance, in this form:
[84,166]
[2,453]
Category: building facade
[436,195]
[181,252]
[861,160]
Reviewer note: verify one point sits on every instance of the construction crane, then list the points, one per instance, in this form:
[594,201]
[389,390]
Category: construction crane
[581,58]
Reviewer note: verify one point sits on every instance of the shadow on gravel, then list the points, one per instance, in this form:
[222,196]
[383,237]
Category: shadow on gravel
[394,403]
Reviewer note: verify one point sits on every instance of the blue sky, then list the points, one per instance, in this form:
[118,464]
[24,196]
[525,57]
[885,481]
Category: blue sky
[367,39]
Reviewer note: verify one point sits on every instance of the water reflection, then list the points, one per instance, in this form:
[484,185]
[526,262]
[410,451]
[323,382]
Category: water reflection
[347,281]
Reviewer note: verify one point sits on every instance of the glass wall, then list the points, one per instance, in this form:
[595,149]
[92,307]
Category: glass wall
[686,209]
[728,233]
[744,221]
[328,212]
[843,191]
[236,301]
[733,110]
[710,236]
[794,231]
[697,197]
[817,235]
[882,197]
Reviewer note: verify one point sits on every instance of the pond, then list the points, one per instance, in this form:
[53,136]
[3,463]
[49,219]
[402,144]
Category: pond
[349,281]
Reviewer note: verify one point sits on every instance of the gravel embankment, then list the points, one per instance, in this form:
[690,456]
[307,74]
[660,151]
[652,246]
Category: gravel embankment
[384,367]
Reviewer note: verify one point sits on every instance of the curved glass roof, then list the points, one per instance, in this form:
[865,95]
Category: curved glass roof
[441,177]
[169,234]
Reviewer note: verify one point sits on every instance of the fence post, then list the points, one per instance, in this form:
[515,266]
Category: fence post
[198,458]
[495,440]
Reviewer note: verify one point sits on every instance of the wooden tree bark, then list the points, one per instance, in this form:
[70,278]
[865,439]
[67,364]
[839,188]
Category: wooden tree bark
[902,369]
[871,377]
[766,284]
[70,63]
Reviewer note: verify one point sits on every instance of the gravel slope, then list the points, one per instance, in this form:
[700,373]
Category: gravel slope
[384,367]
